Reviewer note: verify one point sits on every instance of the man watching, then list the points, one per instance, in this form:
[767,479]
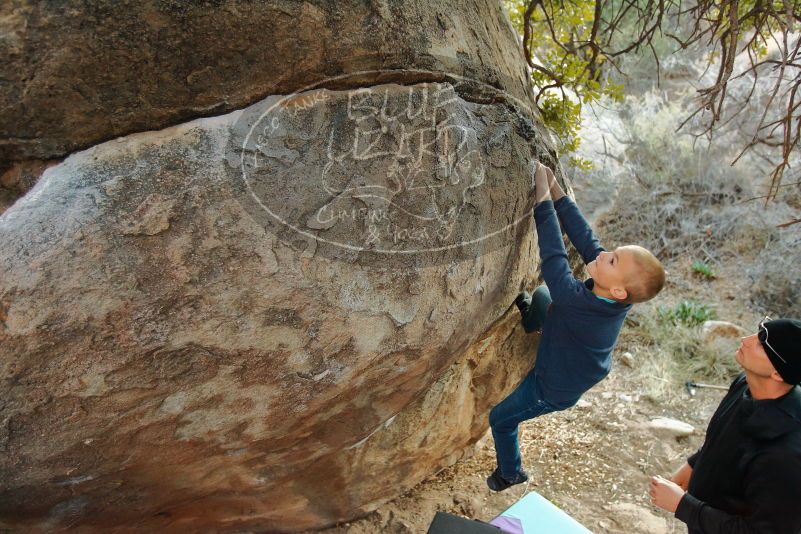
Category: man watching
[746,477]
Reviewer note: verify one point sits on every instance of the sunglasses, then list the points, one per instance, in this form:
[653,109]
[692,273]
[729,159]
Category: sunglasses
[763,337]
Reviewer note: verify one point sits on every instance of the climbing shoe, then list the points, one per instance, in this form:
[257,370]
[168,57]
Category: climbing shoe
[498,483]
[523,303]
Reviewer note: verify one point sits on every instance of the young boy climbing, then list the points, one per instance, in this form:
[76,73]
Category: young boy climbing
[580,321]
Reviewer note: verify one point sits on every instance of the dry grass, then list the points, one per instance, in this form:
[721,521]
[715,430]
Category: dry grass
[669,353]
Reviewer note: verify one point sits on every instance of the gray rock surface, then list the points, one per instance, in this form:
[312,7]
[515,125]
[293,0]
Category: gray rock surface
[166,344]
[19,178]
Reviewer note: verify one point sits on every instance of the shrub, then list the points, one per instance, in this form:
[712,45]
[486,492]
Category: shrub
[703,269]
[687,312]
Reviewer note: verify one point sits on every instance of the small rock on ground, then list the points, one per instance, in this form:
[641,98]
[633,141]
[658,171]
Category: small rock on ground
[672,427]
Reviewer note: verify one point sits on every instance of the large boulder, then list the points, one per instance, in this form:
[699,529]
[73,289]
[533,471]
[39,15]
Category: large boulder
[173,356]
[279,317]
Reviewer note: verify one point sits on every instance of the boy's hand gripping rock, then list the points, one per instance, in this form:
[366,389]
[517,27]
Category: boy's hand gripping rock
[556,190]
[540,188]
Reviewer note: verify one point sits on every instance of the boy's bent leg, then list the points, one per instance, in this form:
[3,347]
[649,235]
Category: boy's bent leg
[521,405]
[536,309]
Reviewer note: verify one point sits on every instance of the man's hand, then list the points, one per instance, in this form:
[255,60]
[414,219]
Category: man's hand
[556,190]
[682,476]
[665,494]
[539,180]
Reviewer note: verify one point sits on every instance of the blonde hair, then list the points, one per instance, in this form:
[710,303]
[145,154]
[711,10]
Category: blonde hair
[649,279]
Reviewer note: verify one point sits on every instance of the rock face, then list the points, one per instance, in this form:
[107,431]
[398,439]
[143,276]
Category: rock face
[19,179]
[73,75]
[275,318]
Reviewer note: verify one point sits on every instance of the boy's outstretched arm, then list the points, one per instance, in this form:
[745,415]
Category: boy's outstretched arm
[553,256]
[573,222]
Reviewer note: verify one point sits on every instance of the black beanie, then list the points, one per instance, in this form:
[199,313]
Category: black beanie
[781,340]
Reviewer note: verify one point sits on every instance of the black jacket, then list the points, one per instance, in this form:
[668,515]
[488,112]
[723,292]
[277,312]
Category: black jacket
[747,475]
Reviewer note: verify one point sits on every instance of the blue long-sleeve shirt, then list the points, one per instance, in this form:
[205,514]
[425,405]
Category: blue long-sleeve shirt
[580,330]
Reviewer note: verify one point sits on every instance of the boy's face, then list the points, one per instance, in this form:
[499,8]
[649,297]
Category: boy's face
[611,270]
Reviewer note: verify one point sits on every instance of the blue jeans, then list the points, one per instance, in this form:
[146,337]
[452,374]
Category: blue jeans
[524,403]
